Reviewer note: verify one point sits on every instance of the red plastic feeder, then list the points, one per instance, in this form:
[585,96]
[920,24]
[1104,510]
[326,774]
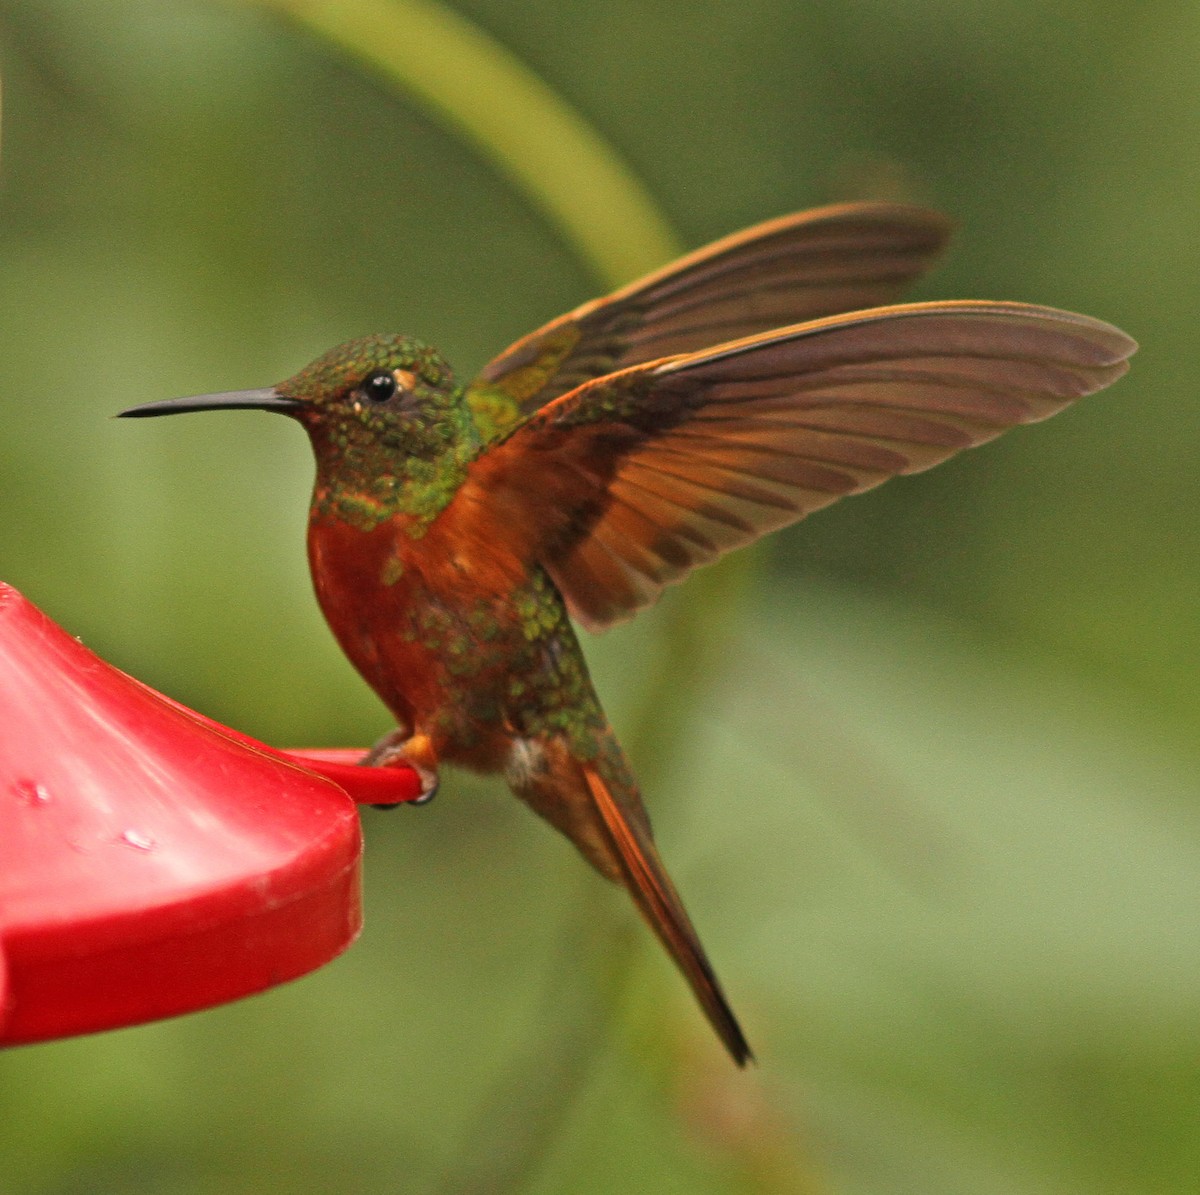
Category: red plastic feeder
[153,862]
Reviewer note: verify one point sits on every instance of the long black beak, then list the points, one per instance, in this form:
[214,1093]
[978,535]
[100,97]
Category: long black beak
[230,400]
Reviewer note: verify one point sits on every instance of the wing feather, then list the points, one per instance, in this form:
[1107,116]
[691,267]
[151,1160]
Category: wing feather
[837,258]
[629,482]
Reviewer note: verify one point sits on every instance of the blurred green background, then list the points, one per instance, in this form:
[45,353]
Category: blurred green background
[927,778]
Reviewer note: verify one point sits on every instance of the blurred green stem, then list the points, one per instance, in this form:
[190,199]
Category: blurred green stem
[491,98]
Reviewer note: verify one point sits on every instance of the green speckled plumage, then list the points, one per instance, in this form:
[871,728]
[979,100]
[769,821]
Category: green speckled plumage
[501,657]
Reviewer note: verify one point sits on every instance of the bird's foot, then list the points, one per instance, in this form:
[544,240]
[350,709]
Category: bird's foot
[429,786]
[413,750]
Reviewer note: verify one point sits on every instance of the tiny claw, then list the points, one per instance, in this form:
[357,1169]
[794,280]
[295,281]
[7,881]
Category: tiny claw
[429,789]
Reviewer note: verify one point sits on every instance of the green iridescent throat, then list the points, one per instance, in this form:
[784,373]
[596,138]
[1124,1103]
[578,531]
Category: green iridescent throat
[363,482]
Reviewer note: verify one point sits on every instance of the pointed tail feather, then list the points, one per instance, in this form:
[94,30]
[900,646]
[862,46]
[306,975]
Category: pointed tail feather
[659,903]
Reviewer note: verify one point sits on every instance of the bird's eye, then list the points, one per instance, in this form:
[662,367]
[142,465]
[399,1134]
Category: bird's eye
[379,386]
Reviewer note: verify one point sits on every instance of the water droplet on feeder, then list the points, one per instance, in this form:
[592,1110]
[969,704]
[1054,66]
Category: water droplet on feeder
[138,840]
[31,792]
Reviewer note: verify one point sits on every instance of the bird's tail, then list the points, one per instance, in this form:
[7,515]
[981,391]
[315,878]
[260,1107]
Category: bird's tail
[655,896]
[597,805]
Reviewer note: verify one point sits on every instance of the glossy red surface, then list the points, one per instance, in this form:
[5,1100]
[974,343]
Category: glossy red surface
[153,862]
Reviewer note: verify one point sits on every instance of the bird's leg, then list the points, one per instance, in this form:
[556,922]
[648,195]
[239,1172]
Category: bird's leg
[416,750]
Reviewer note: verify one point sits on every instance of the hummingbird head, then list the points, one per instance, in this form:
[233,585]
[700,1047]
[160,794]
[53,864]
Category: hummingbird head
[390,390]
[390,426]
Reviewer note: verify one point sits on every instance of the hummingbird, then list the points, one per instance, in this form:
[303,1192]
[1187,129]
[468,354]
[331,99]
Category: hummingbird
[457,531]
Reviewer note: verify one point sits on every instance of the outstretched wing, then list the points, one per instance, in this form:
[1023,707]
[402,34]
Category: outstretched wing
[832,259]
[629,482]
